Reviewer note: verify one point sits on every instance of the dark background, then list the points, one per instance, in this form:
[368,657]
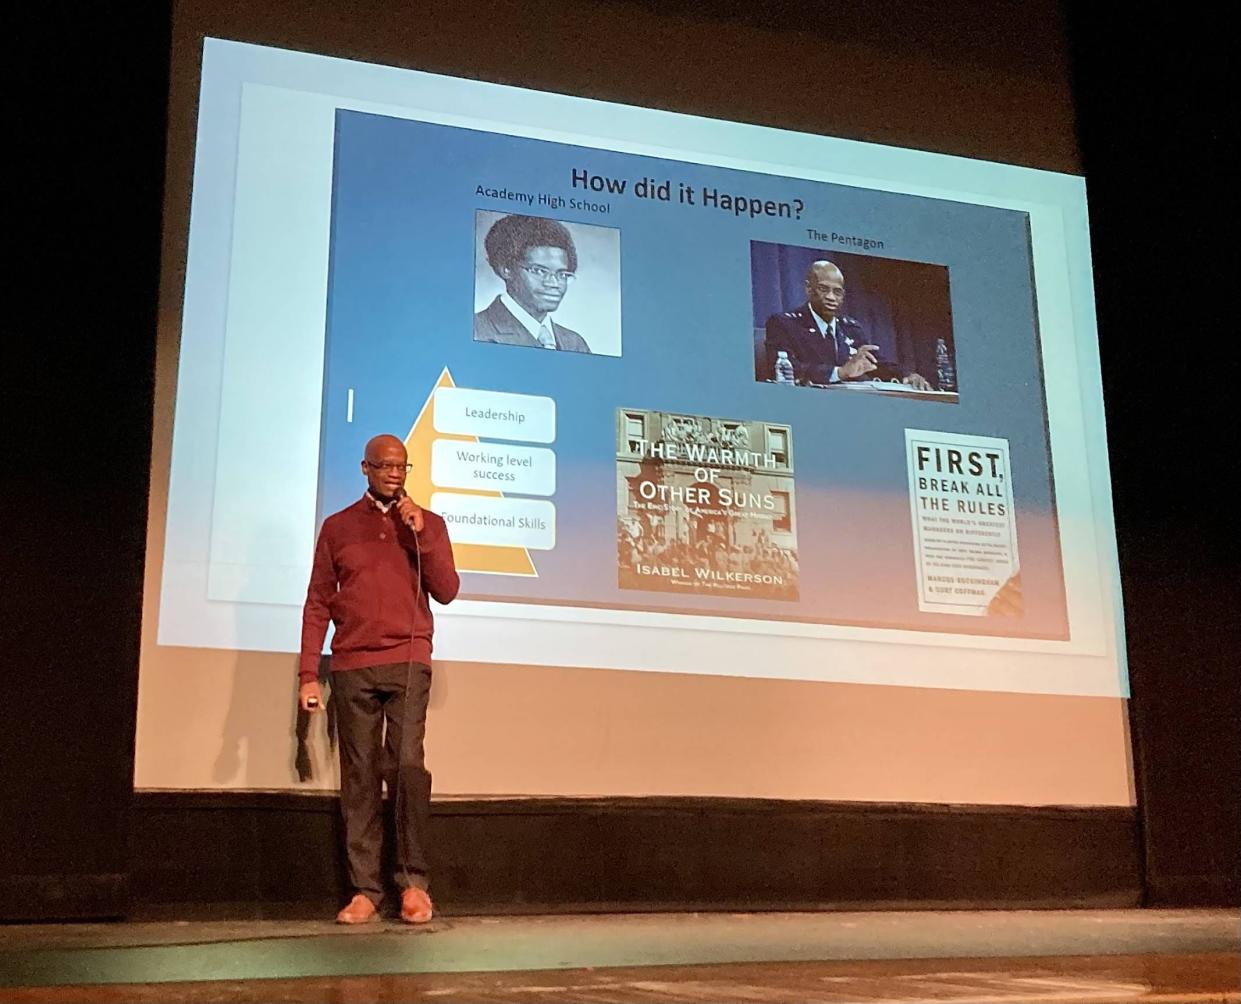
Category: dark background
[88,139]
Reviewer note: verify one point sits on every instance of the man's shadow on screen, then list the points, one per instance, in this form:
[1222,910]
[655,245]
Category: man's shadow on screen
[254,728]
[241,744]
[239,732]
[302,763]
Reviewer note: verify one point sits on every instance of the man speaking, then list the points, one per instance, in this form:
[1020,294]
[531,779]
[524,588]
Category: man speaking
[375,564]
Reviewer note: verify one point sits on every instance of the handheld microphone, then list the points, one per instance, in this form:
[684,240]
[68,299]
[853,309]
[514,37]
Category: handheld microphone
[396,497]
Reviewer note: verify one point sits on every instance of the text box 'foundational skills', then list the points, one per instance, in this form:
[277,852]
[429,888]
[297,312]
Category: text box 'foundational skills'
[498,522]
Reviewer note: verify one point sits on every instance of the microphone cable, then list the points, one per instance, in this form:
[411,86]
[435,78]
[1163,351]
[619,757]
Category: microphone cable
[399,801]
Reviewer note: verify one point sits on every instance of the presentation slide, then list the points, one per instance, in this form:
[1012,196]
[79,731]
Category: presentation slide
[737,490]
[691,396]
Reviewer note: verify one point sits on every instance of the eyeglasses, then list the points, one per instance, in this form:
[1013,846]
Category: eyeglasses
[824,290]
[561,278]
[389,466]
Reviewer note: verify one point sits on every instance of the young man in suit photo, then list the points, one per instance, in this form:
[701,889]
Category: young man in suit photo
[537,261]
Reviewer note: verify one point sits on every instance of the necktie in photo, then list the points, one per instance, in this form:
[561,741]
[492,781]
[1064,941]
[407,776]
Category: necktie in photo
[546,338]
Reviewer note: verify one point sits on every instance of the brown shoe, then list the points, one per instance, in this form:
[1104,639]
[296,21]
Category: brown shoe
[359,911]
[416,906]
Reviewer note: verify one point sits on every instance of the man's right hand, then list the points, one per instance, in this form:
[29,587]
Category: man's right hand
[310,697]
[859,364]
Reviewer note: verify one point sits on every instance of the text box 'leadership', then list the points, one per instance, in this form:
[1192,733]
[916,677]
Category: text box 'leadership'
[495,415]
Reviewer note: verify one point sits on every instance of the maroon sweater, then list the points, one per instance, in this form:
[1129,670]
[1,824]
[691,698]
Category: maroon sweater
[365,580]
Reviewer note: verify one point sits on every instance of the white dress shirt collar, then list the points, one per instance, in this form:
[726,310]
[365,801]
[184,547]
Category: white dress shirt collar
[822,325]
[381,506]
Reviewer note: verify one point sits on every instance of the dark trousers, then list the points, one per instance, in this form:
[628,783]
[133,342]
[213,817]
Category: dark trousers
[365,700]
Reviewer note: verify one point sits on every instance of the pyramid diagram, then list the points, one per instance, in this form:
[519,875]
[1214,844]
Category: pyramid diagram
[492,559]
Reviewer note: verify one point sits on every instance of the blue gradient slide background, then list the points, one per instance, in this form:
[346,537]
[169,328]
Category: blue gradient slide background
[400,308]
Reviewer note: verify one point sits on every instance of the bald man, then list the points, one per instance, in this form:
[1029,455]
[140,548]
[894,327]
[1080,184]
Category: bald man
[376,562]
[824,346]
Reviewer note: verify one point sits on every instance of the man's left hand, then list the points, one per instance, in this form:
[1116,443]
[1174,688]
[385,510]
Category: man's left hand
[917,382]
[410,513]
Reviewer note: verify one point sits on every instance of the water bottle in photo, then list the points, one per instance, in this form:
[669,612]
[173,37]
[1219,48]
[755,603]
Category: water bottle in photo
[945,371]
[784,368]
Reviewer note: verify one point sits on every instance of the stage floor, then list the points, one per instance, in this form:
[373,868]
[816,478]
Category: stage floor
[1080,955]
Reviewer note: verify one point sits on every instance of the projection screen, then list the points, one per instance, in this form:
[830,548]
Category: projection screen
[687,475]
